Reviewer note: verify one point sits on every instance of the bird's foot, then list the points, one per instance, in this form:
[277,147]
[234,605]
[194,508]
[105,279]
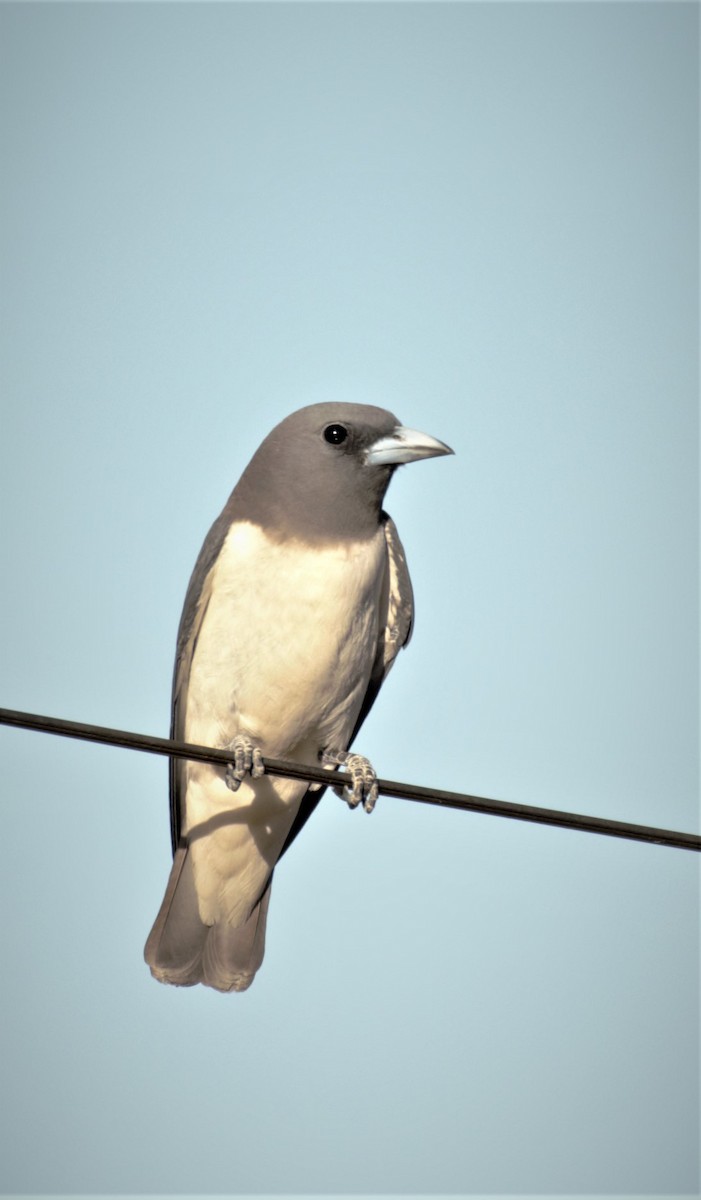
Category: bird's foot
[248,760]
[362,785]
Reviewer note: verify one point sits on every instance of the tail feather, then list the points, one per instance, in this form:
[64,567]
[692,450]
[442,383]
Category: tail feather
[181,949]
[231,956]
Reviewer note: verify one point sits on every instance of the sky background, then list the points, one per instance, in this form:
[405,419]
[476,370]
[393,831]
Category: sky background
[485,218]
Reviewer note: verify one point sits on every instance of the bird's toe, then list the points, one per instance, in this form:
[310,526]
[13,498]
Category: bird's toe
[362,787]
[248,760]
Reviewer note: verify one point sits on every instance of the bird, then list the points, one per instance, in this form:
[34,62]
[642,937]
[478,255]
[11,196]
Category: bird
[297,607]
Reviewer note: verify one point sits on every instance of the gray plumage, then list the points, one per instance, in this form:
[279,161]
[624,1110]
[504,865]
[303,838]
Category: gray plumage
[299,602]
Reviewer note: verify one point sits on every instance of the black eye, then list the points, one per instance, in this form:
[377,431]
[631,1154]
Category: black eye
[335,434]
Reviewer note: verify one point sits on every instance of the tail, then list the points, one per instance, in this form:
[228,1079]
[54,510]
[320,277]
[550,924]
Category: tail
[182,950]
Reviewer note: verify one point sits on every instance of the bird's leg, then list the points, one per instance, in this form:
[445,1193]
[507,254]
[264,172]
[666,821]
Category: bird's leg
[248,760]
[362,785]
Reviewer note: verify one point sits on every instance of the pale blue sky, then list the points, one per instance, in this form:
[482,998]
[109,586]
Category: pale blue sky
[484,217]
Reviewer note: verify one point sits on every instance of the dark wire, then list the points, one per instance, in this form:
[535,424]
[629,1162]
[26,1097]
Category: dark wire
[387,787]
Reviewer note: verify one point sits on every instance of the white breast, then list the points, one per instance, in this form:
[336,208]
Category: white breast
[287,642]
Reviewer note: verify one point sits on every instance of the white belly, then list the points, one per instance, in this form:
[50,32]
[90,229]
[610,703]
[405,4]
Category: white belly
[284,655]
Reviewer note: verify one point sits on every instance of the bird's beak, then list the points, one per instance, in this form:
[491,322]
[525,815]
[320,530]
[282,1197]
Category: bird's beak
[404,446]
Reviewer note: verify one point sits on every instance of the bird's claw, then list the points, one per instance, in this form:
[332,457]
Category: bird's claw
[248,760]
[362,786]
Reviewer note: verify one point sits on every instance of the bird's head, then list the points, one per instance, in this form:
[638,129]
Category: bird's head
[323,471]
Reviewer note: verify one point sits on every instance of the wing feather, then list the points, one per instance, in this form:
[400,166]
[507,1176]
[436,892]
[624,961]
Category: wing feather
[197,599]
[395,631]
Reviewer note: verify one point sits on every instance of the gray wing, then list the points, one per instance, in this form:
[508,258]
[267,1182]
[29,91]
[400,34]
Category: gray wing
[399,621]
[398,604]
[196,601]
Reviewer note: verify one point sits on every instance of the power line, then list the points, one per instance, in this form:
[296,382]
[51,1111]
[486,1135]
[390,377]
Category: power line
[387,787]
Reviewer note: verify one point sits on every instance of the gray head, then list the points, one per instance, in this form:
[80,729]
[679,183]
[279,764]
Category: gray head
[322,473]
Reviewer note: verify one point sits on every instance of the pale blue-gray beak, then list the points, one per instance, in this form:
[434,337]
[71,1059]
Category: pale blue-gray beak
[404,446]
